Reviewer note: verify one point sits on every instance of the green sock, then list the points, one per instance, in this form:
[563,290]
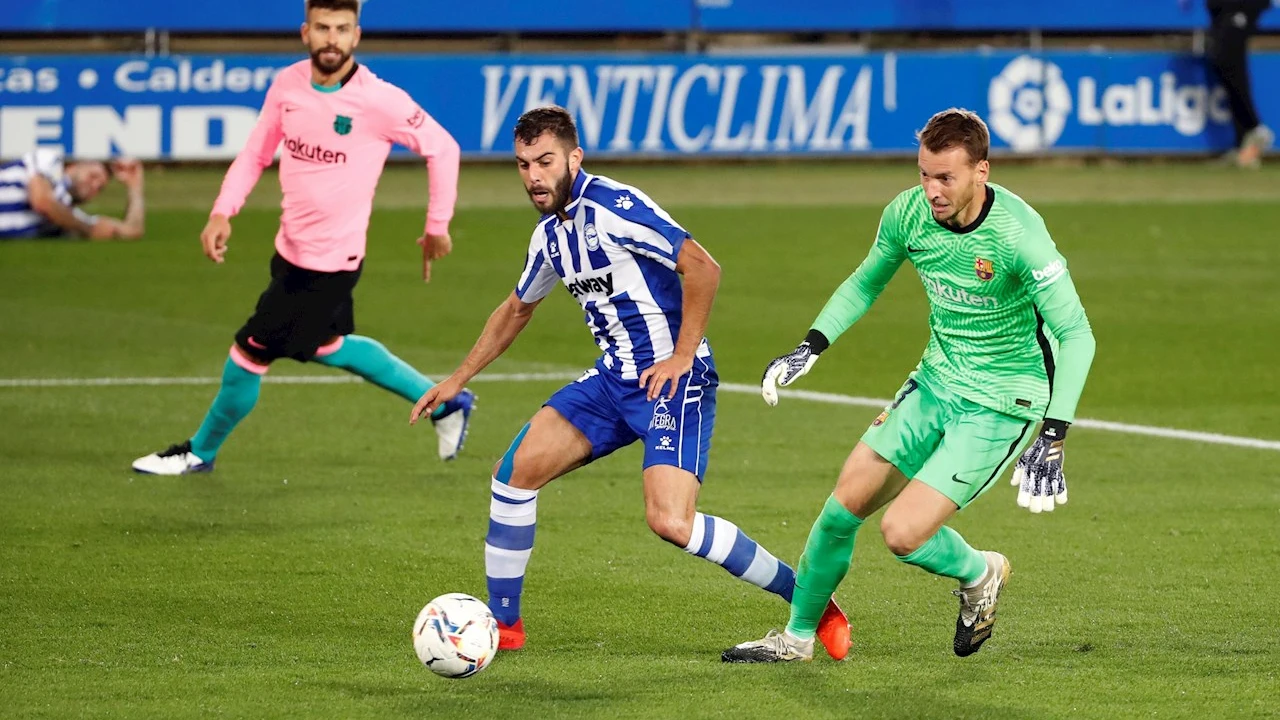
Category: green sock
[823,565]
[948,555]
[235,399]
[371,360]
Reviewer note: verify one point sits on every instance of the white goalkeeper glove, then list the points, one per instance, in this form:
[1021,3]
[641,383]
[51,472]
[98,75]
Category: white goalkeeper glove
[786,369]
[1038,474]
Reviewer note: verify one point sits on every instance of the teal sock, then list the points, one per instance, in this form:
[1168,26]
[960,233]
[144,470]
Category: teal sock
[948,555]
[235,399]
[827,555]
[372,361]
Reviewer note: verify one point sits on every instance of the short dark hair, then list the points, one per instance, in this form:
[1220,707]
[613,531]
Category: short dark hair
[550,119]
[105,165]
[956,127]
[352,5]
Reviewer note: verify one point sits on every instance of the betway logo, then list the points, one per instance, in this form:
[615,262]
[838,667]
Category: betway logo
[603,284]
[959,295]
[300,150]
[654,108]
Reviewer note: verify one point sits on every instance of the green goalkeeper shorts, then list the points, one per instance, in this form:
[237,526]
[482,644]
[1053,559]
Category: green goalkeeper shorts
[949,443]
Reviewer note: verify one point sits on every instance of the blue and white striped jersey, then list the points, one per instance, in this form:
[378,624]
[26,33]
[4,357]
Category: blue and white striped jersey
[17,219]
[616,254]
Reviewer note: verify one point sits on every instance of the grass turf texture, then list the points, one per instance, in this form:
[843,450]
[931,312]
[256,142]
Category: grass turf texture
[284,585]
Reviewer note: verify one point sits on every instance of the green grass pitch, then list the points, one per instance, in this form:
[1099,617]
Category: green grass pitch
[284,585]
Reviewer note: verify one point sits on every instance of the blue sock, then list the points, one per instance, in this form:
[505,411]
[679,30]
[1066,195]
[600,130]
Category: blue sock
[235,399]
[512,516]
[721,542]
[372,361]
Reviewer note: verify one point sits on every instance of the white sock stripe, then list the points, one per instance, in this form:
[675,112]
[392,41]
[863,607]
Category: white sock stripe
[502,563]
[726,534]
[514,515]
[507,491]
[695,537]
[764,567]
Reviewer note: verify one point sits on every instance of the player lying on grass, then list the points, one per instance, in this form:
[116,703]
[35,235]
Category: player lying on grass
[646,288]
[41,195]
[1009,344]
[338,121]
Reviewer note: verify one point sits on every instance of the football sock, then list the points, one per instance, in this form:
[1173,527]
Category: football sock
[371,360]
[235,399]
[948,555]
[512,516]
[721,542]
[825,562]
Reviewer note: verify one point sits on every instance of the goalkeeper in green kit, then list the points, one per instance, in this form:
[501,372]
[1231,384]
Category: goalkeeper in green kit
[1009,345]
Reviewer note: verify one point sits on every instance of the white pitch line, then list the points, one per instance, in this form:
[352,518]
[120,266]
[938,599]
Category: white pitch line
[1126,428]
[273,379]
[810,395]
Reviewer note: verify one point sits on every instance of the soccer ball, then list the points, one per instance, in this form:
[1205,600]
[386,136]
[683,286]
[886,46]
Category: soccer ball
[455,636]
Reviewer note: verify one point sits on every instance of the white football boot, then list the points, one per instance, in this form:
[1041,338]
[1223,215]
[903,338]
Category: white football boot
[451,426]
[978,606]
[177,460]
[774,647]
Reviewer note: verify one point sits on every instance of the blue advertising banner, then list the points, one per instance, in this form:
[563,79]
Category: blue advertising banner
[203,107]
[387,16]
[568,16]
[956,15]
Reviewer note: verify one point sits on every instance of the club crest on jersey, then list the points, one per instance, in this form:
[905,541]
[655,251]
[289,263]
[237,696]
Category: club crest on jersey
[590,236]
[983,268]
[342,124]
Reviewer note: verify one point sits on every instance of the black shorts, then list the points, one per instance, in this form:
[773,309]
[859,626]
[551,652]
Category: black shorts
[299,312]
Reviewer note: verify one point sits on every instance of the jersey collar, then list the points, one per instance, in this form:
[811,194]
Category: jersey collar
[575,194]
[986,209]
[341,83]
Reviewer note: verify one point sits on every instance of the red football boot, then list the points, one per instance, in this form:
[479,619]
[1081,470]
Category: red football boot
[511,637]
[833,631]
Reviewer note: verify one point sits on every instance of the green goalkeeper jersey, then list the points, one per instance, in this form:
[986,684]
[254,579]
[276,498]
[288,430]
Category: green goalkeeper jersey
[1006,327]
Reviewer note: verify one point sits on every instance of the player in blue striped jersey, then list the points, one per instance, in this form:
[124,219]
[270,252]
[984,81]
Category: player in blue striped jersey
[40,195]
[646,288]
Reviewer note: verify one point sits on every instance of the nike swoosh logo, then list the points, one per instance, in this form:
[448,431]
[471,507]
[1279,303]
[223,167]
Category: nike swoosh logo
[915,250]
[956,478]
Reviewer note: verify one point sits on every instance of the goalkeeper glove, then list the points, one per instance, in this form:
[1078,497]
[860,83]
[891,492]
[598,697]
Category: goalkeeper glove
[1038,474]
[788,368]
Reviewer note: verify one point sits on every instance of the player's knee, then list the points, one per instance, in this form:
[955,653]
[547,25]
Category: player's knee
[520,466]
[900,536]
[673,527]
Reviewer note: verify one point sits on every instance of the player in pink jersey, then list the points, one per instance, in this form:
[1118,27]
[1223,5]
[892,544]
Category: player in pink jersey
[337,122]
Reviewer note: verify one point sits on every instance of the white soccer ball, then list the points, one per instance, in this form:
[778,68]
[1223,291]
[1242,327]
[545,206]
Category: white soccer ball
[455,636]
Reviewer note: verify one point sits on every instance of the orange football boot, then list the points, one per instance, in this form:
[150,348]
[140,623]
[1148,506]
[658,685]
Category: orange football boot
[511,637]
[833,631]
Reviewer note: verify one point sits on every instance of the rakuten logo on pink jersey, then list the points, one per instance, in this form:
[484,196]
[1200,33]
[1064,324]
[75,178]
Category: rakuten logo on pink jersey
[300,150]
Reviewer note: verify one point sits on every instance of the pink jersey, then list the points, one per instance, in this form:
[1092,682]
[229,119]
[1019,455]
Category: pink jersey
[335,145]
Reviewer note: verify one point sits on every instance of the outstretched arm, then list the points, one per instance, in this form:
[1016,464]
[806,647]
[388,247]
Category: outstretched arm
[504,324]
[847,305]
[42,198]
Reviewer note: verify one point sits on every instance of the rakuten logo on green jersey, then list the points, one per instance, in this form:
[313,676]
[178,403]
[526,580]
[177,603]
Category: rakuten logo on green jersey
[959,295]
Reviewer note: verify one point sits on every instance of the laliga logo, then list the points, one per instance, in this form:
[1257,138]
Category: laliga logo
[1028,103]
